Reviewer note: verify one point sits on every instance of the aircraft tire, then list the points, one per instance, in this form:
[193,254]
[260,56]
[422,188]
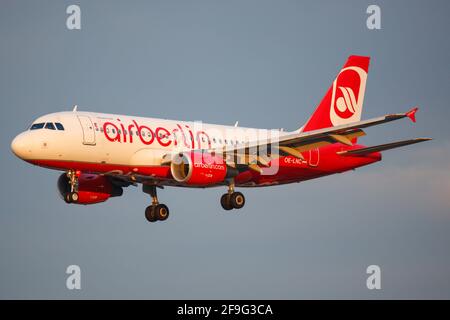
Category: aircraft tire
[74,197]
[237,200]
[150,214]
[161,212]
[225,202]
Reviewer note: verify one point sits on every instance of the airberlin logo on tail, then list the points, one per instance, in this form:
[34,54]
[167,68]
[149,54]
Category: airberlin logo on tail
[348,96]
[346,105]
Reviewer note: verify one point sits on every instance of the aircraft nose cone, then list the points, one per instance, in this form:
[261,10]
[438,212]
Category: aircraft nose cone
[19,146]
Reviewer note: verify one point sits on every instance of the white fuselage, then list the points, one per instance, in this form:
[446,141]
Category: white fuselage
[125,140]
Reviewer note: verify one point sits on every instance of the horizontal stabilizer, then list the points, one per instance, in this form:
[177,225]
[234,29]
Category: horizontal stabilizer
[382,147]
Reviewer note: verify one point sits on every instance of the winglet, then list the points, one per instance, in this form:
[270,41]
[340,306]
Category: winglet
[412,114]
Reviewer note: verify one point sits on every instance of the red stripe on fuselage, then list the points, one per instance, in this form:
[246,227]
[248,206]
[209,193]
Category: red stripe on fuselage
[88,167]
[290,169]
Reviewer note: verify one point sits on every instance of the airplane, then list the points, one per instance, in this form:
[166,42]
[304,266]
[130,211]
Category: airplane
[100,154]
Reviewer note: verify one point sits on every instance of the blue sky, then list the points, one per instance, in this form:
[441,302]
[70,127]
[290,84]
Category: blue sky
[266,64]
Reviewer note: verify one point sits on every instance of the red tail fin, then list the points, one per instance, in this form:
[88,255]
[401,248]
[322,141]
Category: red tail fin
[343,101]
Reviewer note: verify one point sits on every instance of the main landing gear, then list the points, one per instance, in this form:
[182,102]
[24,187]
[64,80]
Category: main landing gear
[232,199]
[72,195]
[156,211]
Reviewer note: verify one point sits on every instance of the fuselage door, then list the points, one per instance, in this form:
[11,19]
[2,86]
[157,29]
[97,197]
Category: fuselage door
[88,130]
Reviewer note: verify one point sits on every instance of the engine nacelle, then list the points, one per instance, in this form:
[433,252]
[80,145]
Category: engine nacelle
[92,188]
[199,169]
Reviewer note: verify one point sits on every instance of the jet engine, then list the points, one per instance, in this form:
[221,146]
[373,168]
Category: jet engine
[200,169]
[92,188]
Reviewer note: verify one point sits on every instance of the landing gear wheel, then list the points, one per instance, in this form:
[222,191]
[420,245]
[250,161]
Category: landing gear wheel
[71,197]
[74,196]
[157,211]
[237,200]
[161,212]
[150,214]
[225,202]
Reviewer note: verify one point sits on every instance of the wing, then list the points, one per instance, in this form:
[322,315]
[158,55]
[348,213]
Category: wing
[245,156]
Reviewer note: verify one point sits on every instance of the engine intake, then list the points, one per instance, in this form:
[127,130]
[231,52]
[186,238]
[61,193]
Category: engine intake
[199,169]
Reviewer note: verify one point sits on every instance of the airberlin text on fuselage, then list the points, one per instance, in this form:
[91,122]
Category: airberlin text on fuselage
[123,134]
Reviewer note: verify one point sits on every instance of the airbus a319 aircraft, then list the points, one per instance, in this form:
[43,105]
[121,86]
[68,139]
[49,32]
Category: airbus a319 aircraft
[101,154]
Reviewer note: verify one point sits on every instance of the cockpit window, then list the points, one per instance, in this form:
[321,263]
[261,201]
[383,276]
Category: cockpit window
[50,125]
[35,126]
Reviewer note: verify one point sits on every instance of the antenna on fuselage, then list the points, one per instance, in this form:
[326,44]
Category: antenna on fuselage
[75,108]
[236,124]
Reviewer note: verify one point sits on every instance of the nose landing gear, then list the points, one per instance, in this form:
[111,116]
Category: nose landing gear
[232,199]
[156,211]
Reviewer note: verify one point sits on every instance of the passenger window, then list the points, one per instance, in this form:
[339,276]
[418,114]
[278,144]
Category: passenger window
[59,126]
[36,126]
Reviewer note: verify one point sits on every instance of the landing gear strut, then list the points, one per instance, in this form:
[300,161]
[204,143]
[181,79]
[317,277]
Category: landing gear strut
[72,195]
[232,199]
[156,211]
